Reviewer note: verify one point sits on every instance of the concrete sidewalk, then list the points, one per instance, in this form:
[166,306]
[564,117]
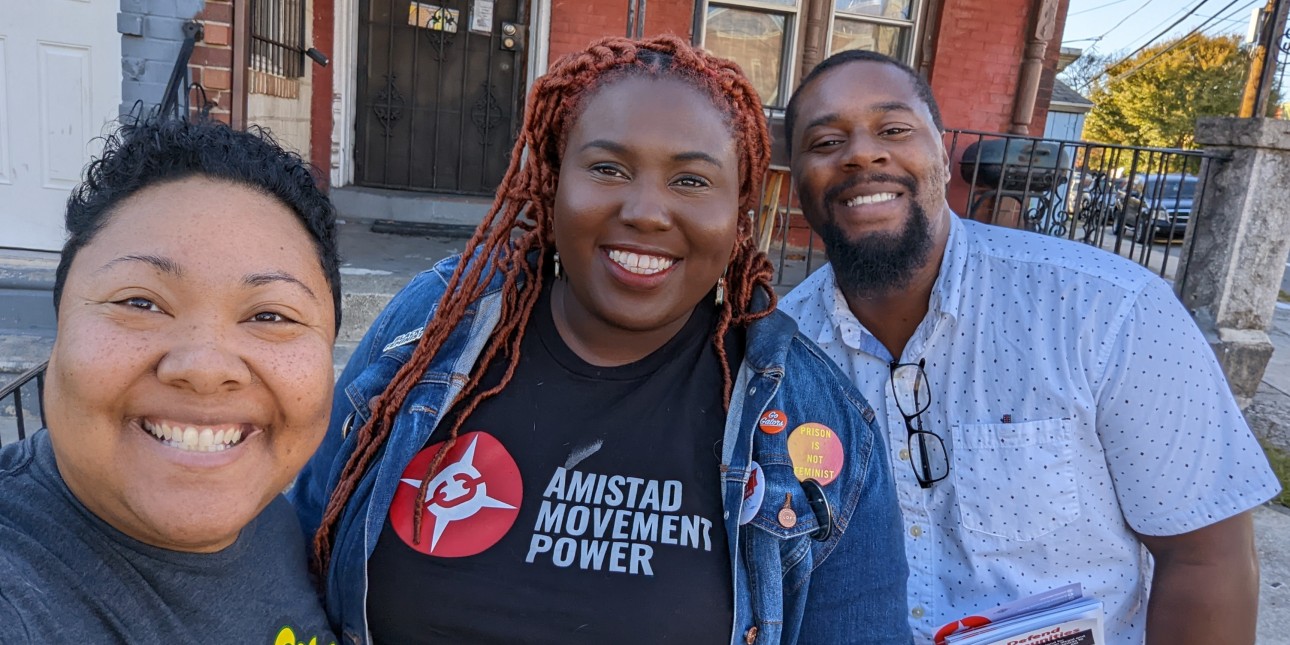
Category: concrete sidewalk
[1269,416]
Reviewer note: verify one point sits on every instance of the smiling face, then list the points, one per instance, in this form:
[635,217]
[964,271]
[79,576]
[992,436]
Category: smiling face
[645,217]
[871,173]
[191,375]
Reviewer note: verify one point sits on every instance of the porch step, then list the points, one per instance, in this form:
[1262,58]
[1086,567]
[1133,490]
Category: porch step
[370,204]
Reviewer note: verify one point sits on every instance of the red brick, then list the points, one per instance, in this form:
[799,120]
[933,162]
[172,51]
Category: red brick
[217,12]
[218,79]
[217,34]
[212,56]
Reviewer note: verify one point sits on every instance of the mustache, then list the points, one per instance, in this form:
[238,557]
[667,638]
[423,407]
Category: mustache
[834,192]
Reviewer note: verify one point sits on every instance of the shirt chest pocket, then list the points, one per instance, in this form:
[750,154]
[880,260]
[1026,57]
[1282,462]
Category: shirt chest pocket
[1015,480]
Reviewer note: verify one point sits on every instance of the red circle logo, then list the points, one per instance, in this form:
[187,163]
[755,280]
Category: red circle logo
[470,504]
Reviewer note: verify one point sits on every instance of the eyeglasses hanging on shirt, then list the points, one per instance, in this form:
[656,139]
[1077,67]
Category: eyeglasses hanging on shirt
[913,396]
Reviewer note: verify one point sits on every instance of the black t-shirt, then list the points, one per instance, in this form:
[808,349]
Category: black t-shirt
[580,504]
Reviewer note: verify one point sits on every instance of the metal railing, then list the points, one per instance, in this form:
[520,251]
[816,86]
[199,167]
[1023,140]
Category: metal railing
[1136,202]
[176,100]
[16,402]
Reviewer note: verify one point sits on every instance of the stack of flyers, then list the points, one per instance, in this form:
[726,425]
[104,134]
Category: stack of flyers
[1061,616]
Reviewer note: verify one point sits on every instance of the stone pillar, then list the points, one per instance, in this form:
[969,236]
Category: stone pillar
[1235,252]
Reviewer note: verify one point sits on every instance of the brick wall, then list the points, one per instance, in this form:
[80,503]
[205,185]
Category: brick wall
[212,62]
[978,60]
[670,17]
[574,23]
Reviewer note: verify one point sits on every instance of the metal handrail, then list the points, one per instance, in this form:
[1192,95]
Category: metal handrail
[14,390]
[193,33]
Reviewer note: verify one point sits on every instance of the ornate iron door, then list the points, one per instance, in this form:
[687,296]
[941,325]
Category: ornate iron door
[439,93]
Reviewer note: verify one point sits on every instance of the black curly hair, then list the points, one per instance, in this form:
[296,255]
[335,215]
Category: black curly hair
[145,152]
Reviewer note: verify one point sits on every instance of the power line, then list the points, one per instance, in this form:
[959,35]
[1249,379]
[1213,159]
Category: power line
[1166,50]
[1101,6]
[1229,16]
[1130,15]
[1175,24]
[1145,32]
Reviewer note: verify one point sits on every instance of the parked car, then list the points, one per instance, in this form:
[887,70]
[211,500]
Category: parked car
[1160,206]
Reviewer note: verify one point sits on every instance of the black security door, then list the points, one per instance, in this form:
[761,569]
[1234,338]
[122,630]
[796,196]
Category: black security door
[439,93]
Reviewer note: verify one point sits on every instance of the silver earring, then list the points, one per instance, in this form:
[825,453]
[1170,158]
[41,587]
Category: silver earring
[721,289]
[557,265]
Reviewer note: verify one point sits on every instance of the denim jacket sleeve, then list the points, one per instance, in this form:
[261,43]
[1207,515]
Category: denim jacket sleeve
[410,307]
[849,587]
[860,586]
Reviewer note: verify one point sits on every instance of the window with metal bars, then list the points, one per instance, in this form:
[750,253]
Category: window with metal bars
[278,37]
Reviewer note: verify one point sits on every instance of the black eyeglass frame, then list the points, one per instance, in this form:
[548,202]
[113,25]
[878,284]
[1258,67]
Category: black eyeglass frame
[914,427]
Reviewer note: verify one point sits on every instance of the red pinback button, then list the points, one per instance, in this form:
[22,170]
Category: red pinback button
[773,422]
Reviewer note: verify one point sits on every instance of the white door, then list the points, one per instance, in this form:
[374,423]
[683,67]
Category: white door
[60,83]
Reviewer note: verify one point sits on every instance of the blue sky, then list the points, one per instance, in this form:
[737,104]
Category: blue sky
[1111,26]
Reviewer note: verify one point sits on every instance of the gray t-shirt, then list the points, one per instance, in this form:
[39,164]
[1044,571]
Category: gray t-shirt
[66,576]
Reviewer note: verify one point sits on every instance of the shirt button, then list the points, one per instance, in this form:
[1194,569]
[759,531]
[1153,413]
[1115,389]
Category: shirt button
[916,531]
[916,612]
[904,454]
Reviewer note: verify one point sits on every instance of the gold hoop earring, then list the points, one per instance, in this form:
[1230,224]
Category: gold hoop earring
[557,265]
[721,289]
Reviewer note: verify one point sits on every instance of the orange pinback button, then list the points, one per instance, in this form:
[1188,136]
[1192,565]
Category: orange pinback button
[773,422]
[816,453]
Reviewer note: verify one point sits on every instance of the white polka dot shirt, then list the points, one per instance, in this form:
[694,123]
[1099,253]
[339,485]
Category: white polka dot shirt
[1077,401]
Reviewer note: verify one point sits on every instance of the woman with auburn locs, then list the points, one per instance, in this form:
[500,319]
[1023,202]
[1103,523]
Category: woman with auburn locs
[593,426]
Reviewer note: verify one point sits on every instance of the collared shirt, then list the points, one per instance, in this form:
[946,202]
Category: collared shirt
[1078,403]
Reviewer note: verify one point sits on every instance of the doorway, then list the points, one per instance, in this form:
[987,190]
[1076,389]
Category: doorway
[440,91]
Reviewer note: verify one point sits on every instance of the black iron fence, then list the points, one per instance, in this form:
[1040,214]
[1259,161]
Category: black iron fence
[1133,201]
[22,407]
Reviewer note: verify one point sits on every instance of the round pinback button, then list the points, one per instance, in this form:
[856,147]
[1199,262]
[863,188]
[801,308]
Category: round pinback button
[816,453]
[754,493]
[787,518]
[773,422]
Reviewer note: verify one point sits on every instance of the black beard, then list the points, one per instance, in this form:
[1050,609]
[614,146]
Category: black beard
[878,263]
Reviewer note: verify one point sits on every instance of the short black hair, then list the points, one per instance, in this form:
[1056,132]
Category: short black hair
[921,87]
[147,151]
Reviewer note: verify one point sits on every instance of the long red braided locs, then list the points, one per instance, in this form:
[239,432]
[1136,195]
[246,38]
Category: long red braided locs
[519,225]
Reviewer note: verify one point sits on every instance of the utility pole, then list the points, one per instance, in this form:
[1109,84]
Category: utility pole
[1263,63]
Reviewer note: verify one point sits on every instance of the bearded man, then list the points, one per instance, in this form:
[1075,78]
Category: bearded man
[1053,414]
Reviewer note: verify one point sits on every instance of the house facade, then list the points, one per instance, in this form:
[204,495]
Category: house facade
[424,98]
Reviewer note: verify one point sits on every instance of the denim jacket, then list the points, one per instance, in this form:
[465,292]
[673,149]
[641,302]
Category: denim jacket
[789,587]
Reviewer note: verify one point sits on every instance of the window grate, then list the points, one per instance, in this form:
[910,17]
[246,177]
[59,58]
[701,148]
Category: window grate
[278,37]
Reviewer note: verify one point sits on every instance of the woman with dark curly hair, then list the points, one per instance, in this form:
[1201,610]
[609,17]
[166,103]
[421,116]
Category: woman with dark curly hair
[593,426]
[197,300]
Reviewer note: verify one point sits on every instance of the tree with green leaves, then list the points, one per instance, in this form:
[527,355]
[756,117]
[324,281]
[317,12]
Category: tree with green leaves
[1155,97]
